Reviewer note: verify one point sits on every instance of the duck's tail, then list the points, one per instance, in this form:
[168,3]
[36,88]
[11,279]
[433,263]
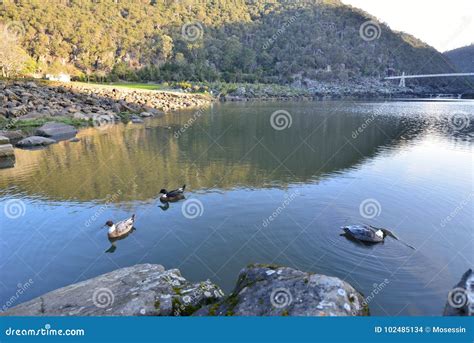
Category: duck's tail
[184,187]
[133,217]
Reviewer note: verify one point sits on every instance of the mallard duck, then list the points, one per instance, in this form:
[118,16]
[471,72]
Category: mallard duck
[121,228]
[171,196]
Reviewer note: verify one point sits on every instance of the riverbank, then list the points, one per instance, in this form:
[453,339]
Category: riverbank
[31,104]
[361,88]
[150,290]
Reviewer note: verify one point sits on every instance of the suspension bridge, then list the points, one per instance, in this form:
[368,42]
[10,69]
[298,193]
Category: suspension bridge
[403,76]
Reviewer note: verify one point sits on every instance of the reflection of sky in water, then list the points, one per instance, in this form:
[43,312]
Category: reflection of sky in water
[415,166]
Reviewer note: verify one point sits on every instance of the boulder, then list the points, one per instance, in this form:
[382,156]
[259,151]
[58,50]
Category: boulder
[34,141]
[136,120]
[4,140]
[13,136]
[461,298]
[53,129]
[267,290]
[143,289]
[6,150]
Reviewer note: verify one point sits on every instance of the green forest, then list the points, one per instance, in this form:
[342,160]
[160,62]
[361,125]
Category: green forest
[274,41]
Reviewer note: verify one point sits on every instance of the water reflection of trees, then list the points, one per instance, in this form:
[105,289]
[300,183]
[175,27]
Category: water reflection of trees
[231,146]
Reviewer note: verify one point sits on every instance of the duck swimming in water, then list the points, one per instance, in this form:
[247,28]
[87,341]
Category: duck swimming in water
[172,196]
[369,234]
[365,233]
[121,228]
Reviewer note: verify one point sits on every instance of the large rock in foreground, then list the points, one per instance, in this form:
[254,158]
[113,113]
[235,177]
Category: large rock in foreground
[35,141]
[55,130]
[266,290]
[143,289]
[461,298]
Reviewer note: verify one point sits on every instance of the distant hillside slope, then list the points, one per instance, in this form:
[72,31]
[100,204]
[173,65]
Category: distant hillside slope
[228,40]
[462,58]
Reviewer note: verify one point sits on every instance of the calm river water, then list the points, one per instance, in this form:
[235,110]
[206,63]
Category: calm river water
[255,194]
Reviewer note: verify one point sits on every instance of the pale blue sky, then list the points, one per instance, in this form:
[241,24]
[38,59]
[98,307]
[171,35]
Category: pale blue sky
[445,25]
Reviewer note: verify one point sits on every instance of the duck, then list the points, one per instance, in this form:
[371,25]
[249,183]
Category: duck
[171,196]
[365,233]
[121,228]
[370,234]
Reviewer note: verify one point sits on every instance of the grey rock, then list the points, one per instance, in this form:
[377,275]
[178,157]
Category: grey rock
[6,150]
[146,114]
[116,108]
[34,141]
[461,298]
[4,140]
[267,290]
[136,120]
[13,136]
[53,129]
[33,115]
[143,289]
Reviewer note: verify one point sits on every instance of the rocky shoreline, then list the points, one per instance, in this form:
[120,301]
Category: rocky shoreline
[22,103]
[150,290]
[306,89]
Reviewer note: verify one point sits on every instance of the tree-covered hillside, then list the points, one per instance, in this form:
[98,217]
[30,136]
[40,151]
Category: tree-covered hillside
[227,40]
[462,58]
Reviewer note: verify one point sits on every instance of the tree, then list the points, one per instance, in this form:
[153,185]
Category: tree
[13,59]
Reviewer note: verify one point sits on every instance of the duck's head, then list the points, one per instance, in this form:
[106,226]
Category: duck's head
[109,223]
[163,191]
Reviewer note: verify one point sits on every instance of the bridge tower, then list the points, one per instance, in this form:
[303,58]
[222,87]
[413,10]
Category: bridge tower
[402,80]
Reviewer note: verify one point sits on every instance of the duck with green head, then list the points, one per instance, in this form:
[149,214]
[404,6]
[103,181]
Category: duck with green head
[172,196]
